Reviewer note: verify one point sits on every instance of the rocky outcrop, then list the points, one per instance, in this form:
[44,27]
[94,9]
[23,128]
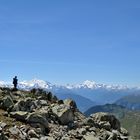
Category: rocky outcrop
[38,115]
[37,118]
[25,105]
[64,113]
[106,121]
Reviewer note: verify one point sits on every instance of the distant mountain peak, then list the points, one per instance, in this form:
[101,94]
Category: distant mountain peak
[89,84]
[35,83]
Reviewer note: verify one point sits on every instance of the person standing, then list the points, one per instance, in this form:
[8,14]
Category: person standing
[15,82]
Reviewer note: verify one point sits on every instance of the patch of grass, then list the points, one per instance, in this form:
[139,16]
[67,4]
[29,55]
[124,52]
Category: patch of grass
[9,121]
[131,122]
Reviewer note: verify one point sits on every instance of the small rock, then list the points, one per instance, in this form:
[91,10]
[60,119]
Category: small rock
[19,115]
[32,134]
[3,137]
[46,138]
[82,131]
[14,130]
[3,125]
[23,136]
[124,132]
[92,129]
[90,137]
[34,139]
[70,103]
[105,125]
[0,129]
[113,136]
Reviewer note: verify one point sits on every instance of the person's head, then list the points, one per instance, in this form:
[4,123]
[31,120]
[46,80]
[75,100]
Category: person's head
[16,77]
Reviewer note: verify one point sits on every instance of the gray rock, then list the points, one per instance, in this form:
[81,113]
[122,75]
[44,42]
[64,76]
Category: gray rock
[104,135]
[64,113]
[14,130]
[89,121]
[23,136]
[32,134]
[42,103]
[101,118]
[7,103]
[92,129]
[25,105]
[79,116]
[124,132]
[1,92]
[65,138]
[36,117]
[90,137]
[113,136]
[71,103]
[82,131]
[46,138]
[105,125]
[125,138]
[3,137]
[19,115]
[34,139]
[3,125]
[0,129]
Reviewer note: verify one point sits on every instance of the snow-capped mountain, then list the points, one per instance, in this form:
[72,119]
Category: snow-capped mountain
[86,94]
[36,83]
[5,84]
[93,85]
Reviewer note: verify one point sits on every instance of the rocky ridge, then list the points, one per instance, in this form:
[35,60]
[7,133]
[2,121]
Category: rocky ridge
[39,115]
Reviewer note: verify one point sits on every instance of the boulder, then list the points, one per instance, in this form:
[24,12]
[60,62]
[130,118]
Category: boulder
[41,103]
[64,113]
[105,120]
[70,103]
[7,103]
[25,105]
[36,117]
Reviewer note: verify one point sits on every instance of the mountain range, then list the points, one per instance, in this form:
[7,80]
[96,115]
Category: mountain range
[86,94]
[131,102]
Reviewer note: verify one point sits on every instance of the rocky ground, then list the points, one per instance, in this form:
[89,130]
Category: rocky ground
[38,115]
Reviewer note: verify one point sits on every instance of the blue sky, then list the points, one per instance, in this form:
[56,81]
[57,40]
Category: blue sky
[70,41]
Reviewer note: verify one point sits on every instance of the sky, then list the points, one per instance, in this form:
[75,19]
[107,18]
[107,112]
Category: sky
[70,41]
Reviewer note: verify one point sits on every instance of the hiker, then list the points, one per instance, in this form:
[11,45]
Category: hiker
[15,82]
